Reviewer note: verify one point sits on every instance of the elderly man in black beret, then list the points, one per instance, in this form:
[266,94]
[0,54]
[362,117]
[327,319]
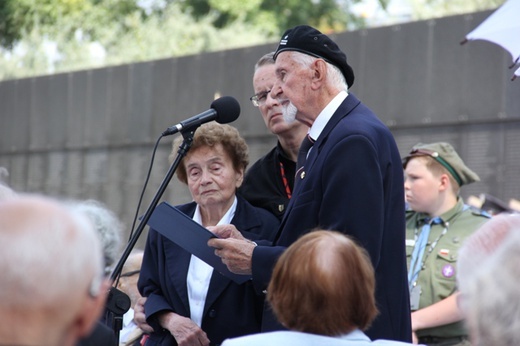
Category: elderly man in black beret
[349,178]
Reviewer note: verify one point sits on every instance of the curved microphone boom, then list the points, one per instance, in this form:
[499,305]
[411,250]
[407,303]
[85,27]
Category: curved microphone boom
[223,110]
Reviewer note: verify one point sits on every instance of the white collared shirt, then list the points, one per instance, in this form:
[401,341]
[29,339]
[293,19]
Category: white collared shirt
[325,115]
[128,325]
[199,272]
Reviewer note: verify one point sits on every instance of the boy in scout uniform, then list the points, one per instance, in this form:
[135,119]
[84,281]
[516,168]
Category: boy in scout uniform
[437,223]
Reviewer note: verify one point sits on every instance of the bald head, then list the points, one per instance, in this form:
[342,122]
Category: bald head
[41,241]
[133,263]
[130,275]
[50,260]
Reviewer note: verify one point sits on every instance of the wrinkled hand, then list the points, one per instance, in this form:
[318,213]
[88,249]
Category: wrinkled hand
[184,330]
[234,250]
[140,317]
[227,231]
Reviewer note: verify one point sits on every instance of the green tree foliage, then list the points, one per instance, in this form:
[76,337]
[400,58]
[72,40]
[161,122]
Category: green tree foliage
[424,9]
[49,36]
[274,15]
[176,33]
[134,37]
[20,17]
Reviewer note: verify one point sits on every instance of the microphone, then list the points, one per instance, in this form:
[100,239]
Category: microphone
[223,110]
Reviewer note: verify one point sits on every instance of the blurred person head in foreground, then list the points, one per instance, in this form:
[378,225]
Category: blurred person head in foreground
[313,294]
[52,290]
[489,281]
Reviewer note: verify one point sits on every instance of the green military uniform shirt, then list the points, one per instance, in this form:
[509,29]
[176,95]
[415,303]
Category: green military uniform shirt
[437,278]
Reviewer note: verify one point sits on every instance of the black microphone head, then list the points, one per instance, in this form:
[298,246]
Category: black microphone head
[227,108]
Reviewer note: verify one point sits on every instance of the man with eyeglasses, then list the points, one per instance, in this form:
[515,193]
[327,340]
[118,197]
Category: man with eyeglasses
[269,182]
[437,224]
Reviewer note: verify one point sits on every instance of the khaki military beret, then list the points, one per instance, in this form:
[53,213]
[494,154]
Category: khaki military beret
[447,156]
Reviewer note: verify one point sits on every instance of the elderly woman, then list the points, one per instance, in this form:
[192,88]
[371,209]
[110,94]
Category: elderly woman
[322,291]
[188,302]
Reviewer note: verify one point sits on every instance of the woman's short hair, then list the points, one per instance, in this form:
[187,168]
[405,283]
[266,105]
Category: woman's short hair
[209,135]
[312,287]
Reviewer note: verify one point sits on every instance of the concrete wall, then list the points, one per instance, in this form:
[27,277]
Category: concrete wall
[90,134]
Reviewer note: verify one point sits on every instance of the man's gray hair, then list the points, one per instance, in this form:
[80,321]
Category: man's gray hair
[491,298]
[266,59]
[488,278]
[336,77]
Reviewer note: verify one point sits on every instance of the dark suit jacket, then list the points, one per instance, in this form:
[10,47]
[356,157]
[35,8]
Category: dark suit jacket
[101,335]
[353,184]
[264,185]
[230,309]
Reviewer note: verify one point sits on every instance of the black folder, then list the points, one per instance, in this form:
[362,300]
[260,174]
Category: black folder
[192,237]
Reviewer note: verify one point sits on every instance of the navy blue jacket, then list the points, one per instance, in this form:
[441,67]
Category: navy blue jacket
[101,335]
[353,184]
[230,310]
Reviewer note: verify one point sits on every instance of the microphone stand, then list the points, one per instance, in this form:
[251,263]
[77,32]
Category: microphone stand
[118,302]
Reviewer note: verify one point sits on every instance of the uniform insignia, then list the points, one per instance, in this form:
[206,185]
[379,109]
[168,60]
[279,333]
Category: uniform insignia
[302,175]
[281,207]
[410,242]
[444,252]
[448,271]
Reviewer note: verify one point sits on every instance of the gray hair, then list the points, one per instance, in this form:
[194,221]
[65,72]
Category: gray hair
[107,225]
[491,298]
[6,192]
[266,59]
[482,243]
[336,77]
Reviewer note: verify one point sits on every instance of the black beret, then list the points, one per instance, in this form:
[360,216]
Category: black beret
[307,40]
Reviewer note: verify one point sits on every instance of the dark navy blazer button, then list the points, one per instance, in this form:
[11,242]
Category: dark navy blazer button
[212,313]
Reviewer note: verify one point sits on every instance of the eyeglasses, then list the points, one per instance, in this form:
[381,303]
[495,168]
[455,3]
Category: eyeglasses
[260,98]
[130,273]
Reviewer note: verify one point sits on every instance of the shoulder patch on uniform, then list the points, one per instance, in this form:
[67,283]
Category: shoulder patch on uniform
[479,212]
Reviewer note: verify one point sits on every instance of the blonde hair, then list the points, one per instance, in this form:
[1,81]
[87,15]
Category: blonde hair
[437,170]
